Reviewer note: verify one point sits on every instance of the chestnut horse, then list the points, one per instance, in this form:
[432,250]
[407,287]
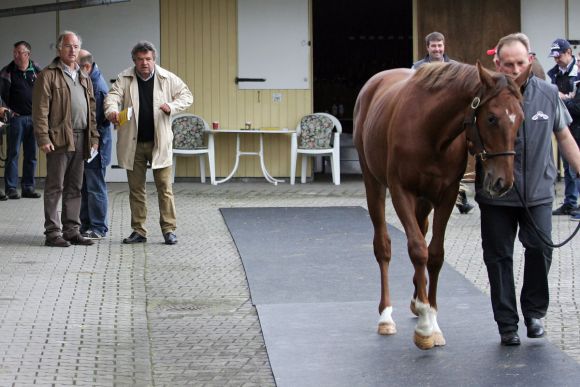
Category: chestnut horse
[412,131]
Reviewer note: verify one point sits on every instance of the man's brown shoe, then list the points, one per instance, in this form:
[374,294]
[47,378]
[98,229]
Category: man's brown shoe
[80,240]
[58,241]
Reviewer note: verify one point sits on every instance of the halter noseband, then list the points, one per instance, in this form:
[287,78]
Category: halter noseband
[471,122]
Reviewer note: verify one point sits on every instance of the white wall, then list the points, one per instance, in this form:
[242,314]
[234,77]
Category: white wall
[544,21]
[109,32]
[273,44]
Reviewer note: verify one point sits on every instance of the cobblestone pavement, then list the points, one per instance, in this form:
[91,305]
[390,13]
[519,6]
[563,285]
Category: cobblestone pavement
[157,315]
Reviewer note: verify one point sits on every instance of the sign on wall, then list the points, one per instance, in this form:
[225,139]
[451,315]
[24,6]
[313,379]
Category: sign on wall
[273,44]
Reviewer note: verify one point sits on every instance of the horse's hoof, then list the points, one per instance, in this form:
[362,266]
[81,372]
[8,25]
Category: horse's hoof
[387,329]
[438,339]
[413,308]
[423,342]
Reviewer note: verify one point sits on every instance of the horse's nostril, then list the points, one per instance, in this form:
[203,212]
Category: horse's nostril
[499,185]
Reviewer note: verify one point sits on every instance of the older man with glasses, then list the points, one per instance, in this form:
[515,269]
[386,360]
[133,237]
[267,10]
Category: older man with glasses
[16,84]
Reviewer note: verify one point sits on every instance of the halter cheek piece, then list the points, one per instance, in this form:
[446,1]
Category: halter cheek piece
[473,128]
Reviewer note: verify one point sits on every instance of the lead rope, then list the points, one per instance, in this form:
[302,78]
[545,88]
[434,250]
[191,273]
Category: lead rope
[543,237]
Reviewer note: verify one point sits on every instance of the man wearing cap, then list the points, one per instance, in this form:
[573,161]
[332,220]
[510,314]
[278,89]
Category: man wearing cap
[565,76]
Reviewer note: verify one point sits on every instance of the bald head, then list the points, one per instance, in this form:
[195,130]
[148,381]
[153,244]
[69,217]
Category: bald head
[85,60]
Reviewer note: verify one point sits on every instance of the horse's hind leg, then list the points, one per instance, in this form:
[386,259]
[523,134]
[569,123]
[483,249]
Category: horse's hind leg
[376,195]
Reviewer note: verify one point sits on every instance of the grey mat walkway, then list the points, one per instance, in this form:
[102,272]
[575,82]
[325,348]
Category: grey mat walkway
[315,284]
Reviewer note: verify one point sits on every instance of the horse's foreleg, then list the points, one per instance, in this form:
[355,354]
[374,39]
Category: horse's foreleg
[376,195]
[436,258]
[422,216]
[407,206]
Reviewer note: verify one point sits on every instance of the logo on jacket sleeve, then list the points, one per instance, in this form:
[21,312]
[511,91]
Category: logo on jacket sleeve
[540,115]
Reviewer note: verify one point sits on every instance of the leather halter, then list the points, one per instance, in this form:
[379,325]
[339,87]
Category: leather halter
[471,123]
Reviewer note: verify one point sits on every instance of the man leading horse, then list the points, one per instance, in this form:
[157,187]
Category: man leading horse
[534,177]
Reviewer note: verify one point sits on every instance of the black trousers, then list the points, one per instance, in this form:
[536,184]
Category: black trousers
[499,225]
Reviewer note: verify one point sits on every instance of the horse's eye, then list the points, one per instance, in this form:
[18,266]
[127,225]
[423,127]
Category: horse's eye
[492,120]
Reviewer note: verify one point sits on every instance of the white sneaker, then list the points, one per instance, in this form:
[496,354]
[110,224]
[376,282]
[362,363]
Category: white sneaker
[92,235]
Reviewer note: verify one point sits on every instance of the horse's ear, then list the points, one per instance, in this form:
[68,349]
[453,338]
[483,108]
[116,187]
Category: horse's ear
[484,75]
[523,77]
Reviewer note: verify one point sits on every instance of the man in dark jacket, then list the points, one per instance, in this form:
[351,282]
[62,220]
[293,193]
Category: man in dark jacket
[16,83]
[565,75]
[94,202]
[435,45]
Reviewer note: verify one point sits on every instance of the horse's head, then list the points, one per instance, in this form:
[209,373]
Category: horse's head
[496,116]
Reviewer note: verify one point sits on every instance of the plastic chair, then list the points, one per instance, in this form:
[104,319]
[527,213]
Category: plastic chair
[189,134]
[314,137]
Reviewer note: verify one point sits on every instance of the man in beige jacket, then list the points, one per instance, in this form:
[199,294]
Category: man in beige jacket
[153,94]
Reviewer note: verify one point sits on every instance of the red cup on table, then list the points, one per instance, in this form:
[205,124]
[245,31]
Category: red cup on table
[215,125]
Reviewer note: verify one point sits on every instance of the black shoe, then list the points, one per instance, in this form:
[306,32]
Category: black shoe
[2,196]
[31,194]
[58,241]
[510,339]
[80,240]
[564,209]
[464,208]
[535,327]
[170,238]
[12,194]
[135,237]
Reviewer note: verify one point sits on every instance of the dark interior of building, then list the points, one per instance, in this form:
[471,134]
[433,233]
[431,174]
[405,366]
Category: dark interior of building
[352,40]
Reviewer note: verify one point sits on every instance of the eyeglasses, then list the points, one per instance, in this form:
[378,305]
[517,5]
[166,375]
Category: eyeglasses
[75,47]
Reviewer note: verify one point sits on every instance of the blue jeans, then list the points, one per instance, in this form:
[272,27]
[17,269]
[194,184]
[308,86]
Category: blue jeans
[20,131]
[571,185]
[94,201]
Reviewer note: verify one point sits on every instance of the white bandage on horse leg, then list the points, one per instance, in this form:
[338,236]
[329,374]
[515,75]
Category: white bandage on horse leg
[387,325]
[437,334]
[424,325]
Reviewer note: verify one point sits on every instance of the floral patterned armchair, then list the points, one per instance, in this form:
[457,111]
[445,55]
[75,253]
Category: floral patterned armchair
[189,139]
[315,136]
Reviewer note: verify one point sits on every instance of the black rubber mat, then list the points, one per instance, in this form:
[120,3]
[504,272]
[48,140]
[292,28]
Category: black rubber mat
[315,283]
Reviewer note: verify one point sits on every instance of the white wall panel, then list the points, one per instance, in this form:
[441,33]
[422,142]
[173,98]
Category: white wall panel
[543,21]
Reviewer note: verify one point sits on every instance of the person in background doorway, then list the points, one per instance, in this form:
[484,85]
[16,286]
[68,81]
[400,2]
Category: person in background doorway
[94,201]
[565,76]
[154,94]
[16,83]
[435,42]
[63,112]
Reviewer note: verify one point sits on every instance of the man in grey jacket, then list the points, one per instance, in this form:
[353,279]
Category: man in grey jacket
[534,176]
[435,42]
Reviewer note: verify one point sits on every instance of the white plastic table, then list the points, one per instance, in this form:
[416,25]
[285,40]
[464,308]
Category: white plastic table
[259,153]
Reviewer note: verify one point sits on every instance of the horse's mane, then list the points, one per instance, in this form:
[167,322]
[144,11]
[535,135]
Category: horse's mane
[436,76]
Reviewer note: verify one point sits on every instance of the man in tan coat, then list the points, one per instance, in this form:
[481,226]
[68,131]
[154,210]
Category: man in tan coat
[63,115]
[153,94]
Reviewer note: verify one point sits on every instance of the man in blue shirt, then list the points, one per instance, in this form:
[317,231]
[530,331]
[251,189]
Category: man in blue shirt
[565,75]
[94,201]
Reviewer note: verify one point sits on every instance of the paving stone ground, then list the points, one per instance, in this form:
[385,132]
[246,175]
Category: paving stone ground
[157,315]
